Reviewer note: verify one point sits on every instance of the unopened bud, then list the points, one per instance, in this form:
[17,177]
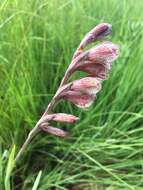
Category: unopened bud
[53,130]
[98,32]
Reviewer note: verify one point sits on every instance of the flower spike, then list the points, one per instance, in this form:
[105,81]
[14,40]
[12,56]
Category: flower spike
[96,62]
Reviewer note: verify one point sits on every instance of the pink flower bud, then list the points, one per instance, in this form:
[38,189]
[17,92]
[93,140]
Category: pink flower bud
[67,118]
[106,52]
[97,32]
[59,117]
[53,130]
[87,85]
[80,100]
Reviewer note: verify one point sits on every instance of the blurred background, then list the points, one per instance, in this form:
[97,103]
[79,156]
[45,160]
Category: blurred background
[105,149]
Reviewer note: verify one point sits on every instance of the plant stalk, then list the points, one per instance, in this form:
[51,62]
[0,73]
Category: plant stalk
[37,129]
[31,134]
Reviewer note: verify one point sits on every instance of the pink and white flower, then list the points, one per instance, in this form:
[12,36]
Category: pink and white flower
[104,54]
[81,92]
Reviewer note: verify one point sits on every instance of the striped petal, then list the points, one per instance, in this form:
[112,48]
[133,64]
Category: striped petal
[87,85]
[106,52]
[95,70]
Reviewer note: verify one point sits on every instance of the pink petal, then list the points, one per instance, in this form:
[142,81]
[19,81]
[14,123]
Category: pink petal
[80,100]
[105,52]
[95,70]
[87,85]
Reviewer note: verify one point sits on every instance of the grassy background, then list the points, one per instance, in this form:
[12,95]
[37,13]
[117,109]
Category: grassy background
[105,149]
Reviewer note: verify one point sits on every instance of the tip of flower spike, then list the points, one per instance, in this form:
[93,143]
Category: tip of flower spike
[102,30]
[108,29]
[98,32]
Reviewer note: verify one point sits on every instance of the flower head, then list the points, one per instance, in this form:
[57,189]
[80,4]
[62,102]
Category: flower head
[106,52]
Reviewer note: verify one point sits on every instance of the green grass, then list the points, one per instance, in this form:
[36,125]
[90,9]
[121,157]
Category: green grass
[105,149]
